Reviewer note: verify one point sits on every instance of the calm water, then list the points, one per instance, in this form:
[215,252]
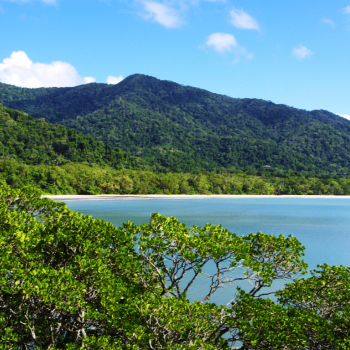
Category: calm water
[321,224]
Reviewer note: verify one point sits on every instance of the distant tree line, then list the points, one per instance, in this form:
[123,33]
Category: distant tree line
[76,178]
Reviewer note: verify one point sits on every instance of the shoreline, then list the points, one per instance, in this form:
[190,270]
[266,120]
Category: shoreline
[178,196]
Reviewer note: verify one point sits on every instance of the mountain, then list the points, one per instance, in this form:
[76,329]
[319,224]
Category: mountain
[36,141]
[186,128]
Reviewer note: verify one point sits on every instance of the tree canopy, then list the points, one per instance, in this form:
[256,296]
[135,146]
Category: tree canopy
[78,178]
[36,141]
[69,281]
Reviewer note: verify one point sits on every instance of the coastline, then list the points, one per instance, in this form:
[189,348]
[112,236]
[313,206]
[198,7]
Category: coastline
[177,196]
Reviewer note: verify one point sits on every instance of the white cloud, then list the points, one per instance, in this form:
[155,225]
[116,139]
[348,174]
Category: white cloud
[344,116]
[301,52]
[346,10]
[114,80]
[89,80]
[329,22]
[221,42]
[19,70]
[162,14]
[243,20]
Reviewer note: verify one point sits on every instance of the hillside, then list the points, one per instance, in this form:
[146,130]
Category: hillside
[186,128]
[36,141]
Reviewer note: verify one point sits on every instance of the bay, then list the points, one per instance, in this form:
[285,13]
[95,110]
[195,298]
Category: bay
[321,224]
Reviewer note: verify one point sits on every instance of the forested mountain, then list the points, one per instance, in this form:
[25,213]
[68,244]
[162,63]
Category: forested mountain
[186,128]
[36,141]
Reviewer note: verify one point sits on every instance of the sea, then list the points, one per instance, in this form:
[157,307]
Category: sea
[322,224]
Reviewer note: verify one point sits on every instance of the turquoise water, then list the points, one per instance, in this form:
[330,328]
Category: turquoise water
[321,224]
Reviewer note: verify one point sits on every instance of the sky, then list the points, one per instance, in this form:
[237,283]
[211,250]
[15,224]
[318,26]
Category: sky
[291,52]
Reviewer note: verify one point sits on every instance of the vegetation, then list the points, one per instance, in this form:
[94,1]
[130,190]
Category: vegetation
[58,160]
[35,141]
[69,281]
[189,129]
[76,178]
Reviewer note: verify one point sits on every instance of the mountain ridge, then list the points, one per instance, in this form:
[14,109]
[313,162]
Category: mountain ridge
[186,128]
[127,82]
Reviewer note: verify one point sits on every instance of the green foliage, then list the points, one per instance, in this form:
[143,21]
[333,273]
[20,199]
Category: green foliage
[76,178]
[53,261]
[69,281]
[185,128]
[35,141]
[311,313]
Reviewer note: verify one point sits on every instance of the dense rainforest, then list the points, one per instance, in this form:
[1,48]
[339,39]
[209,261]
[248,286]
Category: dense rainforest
[60,160]
[182,128]
[77,178]
[36,141]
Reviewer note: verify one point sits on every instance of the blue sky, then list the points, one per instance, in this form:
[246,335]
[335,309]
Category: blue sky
[295,52]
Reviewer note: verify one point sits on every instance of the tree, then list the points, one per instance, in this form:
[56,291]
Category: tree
[311,313]
[70,282]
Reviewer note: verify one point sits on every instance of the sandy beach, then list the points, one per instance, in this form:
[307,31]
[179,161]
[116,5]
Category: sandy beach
[176,196]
